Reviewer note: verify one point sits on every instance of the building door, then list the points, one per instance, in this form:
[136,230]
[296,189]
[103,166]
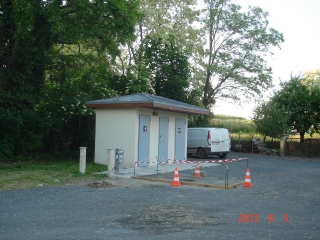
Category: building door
[144,140]
[180,137]
[163,139]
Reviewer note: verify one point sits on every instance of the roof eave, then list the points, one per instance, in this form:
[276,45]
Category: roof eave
[119,105]
[179,109]
[150,105]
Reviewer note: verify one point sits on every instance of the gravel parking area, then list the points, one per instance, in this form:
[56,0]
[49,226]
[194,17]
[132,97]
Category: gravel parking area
[284,203]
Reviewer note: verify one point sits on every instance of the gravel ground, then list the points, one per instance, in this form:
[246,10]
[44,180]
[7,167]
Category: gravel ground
[284,204]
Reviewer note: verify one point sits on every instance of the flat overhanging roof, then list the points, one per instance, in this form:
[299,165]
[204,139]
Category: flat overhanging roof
[145,100]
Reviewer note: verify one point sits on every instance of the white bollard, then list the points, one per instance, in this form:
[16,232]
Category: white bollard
[83,159]
[283,145]
[110,153]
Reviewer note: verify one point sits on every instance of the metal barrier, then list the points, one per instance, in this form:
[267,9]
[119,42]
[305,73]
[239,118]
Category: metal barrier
[186,161]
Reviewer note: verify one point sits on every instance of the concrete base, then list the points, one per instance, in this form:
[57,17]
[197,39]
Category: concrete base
[123,172]
[209,182]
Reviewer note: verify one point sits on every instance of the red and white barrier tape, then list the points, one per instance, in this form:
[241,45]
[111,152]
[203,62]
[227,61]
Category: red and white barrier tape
[211,161]
[186,161]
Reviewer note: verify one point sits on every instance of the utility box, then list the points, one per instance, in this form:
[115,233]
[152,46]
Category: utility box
[118,163]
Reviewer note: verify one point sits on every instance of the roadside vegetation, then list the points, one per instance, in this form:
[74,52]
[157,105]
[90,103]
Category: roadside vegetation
[21,174]
[295,108]
[243,130]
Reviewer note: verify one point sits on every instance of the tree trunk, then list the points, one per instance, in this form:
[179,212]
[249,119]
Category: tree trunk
[301,136]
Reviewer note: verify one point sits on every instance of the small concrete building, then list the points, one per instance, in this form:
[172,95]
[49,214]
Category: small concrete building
[148,128]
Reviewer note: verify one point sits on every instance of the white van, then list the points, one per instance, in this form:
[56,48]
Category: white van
[208,141]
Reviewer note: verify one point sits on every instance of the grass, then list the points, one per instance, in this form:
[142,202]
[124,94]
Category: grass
[234,124]
[26,174]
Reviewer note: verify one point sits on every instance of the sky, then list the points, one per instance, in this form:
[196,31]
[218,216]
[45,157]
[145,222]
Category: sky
[299,21]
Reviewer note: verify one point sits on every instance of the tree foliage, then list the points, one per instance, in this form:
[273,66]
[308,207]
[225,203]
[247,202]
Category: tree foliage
[165,20]
[238,41]
[165,27]
[57,41]
[270,120]
[294,108]
[300,97]
[25,41]
[170,69]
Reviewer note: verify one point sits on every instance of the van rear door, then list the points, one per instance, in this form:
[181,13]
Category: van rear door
[215,140]
[220,141]
[225,140]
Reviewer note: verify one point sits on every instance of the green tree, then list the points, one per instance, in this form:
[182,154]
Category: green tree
[38,38]
[25,34]
[233,64]
[81,70]
[270,120]
[164,20]
[160,22]
[300,97]
[170,69]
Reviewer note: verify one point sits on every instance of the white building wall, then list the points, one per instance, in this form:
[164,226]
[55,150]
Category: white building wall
[115,128]
[119,128]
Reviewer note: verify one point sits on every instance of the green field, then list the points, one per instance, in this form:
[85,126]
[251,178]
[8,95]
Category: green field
[233,123]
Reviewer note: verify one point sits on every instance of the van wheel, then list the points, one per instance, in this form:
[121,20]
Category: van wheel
[201,153]
[223,155]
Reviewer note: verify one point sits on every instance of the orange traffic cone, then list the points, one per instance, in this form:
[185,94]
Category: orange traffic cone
[197,172]
[247,181]
[176,180]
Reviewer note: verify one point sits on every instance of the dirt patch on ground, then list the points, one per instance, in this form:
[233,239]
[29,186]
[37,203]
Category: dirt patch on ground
[100,184]
[168,218]
[120,182]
